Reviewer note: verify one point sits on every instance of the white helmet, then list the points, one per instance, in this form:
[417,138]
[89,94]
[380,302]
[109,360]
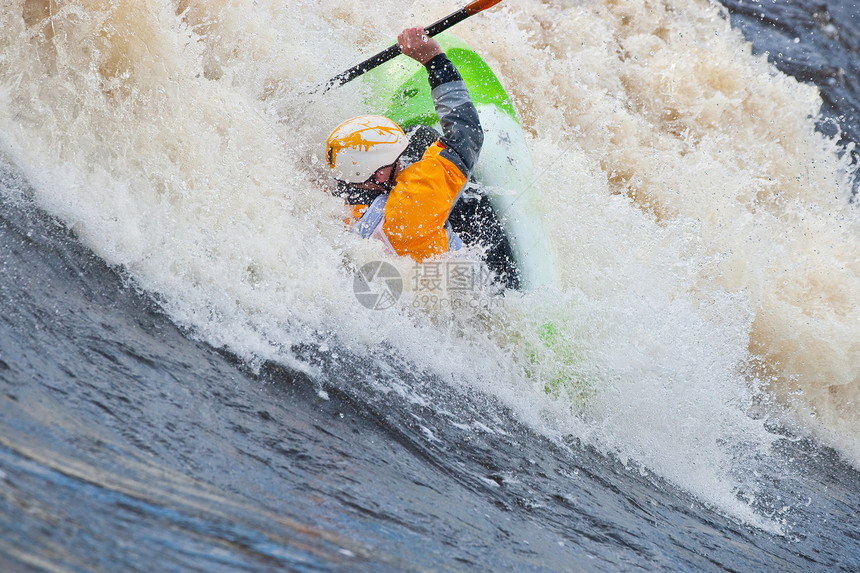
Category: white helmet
[361,145]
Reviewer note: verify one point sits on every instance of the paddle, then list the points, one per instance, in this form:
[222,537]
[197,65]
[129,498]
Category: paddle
[393,51]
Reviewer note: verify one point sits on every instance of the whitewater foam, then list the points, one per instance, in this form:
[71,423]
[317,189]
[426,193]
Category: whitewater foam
[710,251]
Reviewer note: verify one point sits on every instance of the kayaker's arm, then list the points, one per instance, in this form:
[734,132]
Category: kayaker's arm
[462,135]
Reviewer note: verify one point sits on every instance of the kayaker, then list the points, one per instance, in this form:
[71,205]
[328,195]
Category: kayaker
[407,207]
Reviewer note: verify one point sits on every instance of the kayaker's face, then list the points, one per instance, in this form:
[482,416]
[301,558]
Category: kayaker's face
[383,179]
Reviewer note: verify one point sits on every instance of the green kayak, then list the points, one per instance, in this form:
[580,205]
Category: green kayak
[505,174]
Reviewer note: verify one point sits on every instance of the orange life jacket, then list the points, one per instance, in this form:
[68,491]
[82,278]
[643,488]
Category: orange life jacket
[415,211]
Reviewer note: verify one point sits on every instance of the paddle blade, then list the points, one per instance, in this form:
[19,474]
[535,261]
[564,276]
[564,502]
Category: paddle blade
[480,5]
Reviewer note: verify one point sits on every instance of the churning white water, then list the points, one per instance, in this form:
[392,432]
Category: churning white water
[708,255]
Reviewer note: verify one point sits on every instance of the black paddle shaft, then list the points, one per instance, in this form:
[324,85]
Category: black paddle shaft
[393,51]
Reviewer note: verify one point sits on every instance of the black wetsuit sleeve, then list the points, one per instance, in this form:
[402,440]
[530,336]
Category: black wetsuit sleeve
[441,71]
[462,135]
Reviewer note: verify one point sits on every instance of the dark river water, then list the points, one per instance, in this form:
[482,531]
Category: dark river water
[126,444]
